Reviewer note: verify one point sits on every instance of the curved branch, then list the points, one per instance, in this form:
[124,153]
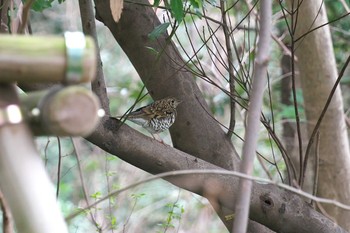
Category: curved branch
[194,132]
[278,210]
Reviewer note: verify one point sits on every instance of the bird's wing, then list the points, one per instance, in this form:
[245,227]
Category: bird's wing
[143,112]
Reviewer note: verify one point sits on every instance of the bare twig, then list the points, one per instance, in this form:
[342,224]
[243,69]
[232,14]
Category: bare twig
[45,151]
[110,209]
[267,172]
[212,171]
[297,118]
[275,138]
[317,162]
[59,167]
[323,113]
[196,63]
[85,192]
[171,212]
[230,69]
[320,26]
[254,113]
[291,171]
[273,125]
[25,16]
[294,95]
[324,212]
[129,215]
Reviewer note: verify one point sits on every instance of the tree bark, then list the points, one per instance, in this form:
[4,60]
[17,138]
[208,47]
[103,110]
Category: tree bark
[279,210]
[318,73]
[195,131]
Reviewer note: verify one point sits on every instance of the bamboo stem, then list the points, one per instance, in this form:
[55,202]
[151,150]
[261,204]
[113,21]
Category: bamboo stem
[23,179]
[29,59]
[70,111]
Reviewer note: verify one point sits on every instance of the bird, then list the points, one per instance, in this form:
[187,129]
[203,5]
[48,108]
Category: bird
[157,116]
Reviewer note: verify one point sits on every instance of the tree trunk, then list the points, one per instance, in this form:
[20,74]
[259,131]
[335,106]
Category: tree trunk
[195,131]
[318,74]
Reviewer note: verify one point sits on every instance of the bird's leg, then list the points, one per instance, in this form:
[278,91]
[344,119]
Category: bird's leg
[157,139]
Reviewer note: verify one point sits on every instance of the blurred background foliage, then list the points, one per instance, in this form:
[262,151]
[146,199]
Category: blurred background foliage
[147,208]
[158,206]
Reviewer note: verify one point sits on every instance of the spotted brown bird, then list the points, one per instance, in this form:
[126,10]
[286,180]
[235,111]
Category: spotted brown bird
[157,116]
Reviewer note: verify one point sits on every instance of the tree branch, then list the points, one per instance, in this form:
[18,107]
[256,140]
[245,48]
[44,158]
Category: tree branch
[194,132]
[230,70]
[254,113]
[89,28]
[279,210]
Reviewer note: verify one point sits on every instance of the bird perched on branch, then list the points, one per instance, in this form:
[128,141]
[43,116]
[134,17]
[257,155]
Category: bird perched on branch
[157,116]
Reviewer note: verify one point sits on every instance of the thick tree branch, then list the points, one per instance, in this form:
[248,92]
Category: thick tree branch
[270,206]
[194,131]
[279,210]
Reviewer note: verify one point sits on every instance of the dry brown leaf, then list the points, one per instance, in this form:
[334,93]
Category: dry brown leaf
[116,9]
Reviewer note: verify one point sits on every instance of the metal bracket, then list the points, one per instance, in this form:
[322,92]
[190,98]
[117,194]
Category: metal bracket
[75,47]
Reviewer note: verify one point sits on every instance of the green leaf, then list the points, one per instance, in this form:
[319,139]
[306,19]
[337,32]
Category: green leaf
[113,220]
[195,4]
[156,3]
[40,5]
[182,210]
[289,112]
[159,30]
[96,195]
[138,196]
[177,10]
